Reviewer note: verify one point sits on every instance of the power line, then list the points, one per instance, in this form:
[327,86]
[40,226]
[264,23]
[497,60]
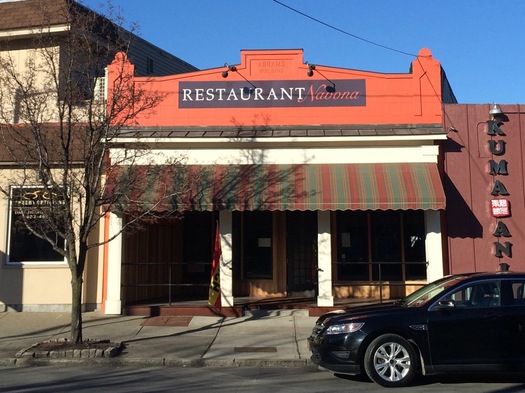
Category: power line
[364,40]
[343,31]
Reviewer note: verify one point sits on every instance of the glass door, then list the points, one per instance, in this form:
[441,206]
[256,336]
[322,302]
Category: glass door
[301,252]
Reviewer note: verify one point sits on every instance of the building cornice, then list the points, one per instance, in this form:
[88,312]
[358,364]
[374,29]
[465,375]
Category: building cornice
[30,32]
[281,135]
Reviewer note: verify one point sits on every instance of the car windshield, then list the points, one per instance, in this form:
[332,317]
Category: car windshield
[424,294]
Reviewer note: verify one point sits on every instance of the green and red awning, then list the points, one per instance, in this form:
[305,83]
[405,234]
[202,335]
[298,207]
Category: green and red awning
[386,186]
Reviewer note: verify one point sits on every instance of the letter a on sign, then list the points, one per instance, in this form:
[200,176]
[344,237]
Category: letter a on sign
[214,298]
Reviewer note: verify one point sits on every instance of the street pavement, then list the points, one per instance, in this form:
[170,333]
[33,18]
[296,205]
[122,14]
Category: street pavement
[261,338]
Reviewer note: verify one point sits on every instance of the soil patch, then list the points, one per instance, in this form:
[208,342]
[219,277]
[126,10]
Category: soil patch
[63,348]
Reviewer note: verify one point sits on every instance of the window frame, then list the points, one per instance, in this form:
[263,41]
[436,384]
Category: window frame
[246,241]
[408,267]
[468,290]
[10,221]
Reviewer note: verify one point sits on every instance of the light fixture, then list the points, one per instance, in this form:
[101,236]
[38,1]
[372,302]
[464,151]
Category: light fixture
[311,69]
[504,267]
[230,68]
[246,89]
[330,89]
[495,111]
[310,72]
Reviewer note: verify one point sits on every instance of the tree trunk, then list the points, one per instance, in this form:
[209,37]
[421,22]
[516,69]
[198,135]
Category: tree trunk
[76,309]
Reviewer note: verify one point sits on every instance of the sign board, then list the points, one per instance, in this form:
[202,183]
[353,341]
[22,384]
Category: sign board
[263,94]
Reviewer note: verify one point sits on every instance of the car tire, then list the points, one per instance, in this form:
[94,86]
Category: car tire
[391,361]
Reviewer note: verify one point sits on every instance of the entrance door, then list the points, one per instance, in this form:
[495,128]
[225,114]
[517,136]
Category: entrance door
[301,253]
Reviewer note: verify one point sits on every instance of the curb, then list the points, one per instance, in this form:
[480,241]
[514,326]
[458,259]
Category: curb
[155,362]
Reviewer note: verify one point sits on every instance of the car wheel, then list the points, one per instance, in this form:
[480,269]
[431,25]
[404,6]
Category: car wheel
[390,361]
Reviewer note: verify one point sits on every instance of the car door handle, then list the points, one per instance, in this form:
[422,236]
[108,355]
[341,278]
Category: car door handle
[491,316]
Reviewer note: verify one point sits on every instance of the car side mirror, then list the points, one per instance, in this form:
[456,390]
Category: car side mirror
[445,304]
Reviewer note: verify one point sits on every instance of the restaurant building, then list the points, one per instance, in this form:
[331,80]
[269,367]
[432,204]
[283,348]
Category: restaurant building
[484,183]
[324,183]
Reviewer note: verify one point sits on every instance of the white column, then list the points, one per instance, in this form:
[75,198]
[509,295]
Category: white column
[433,245]
[225,225]
[113,304]
[324,260]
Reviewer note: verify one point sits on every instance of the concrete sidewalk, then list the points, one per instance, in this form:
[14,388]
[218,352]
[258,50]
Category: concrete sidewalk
[262,338]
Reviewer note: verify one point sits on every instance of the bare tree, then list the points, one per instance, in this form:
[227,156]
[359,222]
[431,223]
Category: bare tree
[58,132]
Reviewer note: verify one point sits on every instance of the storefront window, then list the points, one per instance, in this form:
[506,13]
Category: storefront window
[253,245]
[352,241]
[386,245]
[24,246]
[414,245]
[198,246]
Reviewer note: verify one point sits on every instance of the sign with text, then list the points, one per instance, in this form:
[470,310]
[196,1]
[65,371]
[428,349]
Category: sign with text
[500,207]
[276,94]
[33,202]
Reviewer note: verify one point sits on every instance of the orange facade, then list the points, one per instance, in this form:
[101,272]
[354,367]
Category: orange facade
[308,94]
[365,146]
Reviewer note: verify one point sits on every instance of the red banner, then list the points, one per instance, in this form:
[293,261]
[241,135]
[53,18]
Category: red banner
[214,298]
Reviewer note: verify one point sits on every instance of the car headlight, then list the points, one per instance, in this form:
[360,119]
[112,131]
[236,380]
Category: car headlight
[344,328]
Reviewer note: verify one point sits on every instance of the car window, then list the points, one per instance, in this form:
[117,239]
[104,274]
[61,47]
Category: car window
[427,292]
[518,293]
[478,295]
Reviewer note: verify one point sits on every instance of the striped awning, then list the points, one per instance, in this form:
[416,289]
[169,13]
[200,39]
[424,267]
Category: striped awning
[391,186]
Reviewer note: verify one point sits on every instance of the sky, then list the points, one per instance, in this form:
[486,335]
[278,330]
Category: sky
[479,43]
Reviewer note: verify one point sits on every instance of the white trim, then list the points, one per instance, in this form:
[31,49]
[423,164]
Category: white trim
[273,140]
[288,155]
[226,266]
[113,303]
[433,245]
[325,297]
[30,32]
[37,264]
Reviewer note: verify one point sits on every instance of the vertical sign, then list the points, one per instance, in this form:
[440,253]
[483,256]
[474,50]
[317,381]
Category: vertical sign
[499,205]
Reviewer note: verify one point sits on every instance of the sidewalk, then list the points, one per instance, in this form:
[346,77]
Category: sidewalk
[261,338]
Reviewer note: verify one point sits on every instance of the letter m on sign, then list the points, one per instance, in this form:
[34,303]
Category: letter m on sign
[498,168]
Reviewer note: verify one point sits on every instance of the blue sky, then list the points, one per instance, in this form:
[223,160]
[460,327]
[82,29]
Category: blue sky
[480,43]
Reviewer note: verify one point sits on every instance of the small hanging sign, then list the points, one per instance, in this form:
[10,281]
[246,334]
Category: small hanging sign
[500,207]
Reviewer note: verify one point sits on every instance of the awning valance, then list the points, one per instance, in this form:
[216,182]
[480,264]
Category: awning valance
[394,186]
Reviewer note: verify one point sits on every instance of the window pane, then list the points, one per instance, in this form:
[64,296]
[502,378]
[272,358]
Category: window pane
[518,293]
[386,245]
[198,246]
[26,247]
[237,245]
[480,295]
[414,241]
[23,245]
[257,244]
[352,245]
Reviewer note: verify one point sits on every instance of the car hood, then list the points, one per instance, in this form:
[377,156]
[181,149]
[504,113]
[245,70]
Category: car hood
[339,316]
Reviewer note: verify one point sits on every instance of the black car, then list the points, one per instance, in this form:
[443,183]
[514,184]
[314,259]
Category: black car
[466,322]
